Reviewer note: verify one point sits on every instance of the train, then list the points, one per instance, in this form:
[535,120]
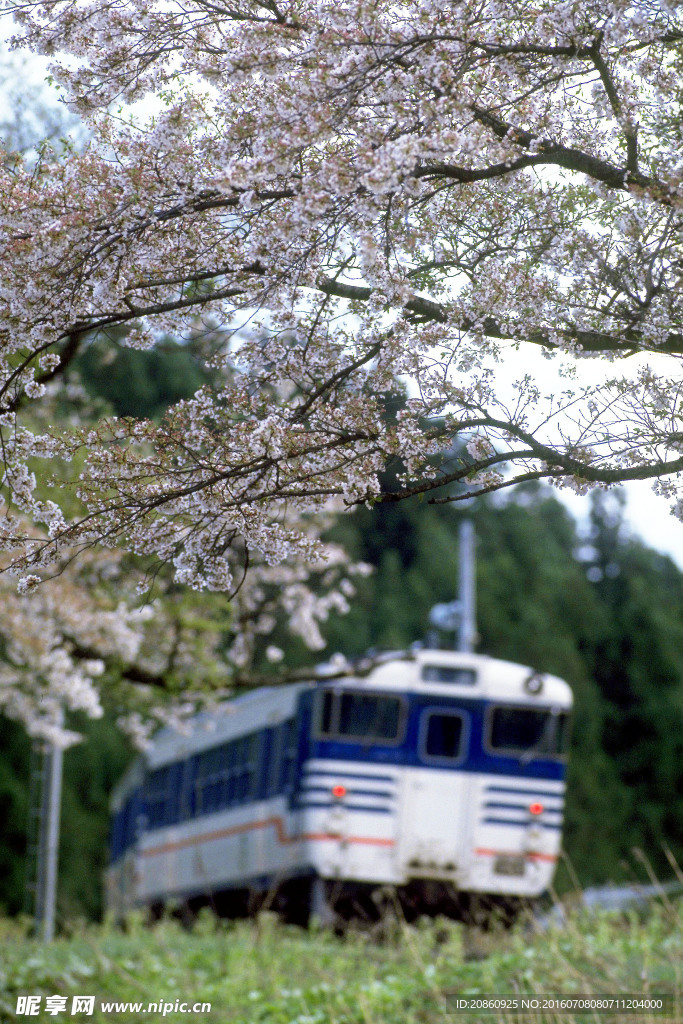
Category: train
[434,782]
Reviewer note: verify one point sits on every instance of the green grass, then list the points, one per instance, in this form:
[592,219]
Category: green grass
[264,972]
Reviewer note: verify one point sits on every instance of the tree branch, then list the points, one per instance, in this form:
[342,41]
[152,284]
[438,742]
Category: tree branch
[588,341]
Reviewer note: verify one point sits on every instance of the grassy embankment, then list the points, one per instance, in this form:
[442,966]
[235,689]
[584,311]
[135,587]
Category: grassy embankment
[263,972]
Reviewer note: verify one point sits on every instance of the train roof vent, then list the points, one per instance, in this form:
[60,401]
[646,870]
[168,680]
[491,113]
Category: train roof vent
[449,674]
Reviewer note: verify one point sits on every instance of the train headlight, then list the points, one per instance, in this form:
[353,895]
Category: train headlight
[339,792]
[534,684]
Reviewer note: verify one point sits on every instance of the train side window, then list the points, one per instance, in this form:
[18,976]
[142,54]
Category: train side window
[231,774]
[349,715]
[237,768]
[187,773]
[229,781]
[222,776]
[214,781]
[443,736]
[326,712]
[119,832]
[200,785]
[274,741]
[537,732]
[160,797]
[252,749]
[290,753]
[126,826]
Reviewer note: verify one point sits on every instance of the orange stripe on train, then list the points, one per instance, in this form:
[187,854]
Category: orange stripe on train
[277,823]
[485,852]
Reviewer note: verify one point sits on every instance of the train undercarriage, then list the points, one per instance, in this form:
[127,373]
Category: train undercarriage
[341,905]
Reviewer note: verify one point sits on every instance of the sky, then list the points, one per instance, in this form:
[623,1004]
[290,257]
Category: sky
[647,515]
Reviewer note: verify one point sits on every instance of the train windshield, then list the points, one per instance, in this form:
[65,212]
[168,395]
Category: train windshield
[347,715]
[529,732]
[443,737]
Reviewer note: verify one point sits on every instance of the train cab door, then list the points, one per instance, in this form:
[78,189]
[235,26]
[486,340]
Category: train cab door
[436,820]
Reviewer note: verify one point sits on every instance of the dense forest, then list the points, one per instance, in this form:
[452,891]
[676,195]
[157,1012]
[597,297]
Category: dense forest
[596,607]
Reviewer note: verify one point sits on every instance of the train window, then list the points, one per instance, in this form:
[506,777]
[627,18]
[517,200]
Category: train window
[443,736]
[120,829]
[274,741]
[327,705]
[531,732]
[227,774]
[204,782]
[448,674]
[241,770]
[290,755]
[188,771]
[348,715]
[364,715]
[160,797]
[251,763]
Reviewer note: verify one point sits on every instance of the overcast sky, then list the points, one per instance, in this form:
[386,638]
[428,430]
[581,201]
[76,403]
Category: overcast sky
[647,515]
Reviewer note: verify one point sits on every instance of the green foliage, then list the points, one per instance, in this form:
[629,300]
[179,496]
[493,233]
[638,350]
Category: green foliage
[263,972]
[14,744]
[637,663]
[142,384]
[90,770]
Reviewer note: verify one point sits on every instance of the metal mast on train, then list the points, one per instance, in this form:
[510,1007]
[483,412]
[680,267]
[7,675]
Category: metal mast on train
[460,616]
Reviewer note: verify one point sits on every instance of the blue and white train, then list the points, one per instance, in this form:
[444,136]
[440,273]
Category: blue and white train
[438,777]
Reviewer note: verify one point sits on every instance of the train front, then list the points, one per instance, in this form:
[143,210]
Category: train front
[439,776]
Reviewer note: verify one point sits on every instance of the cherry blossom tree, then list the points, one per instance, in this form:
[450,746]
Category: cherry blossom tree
[90,641]
[85,643]
[358,196]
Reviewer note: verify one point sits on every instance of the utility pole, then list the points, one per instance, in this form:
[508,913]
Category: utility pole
[44,821]
[54,757]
